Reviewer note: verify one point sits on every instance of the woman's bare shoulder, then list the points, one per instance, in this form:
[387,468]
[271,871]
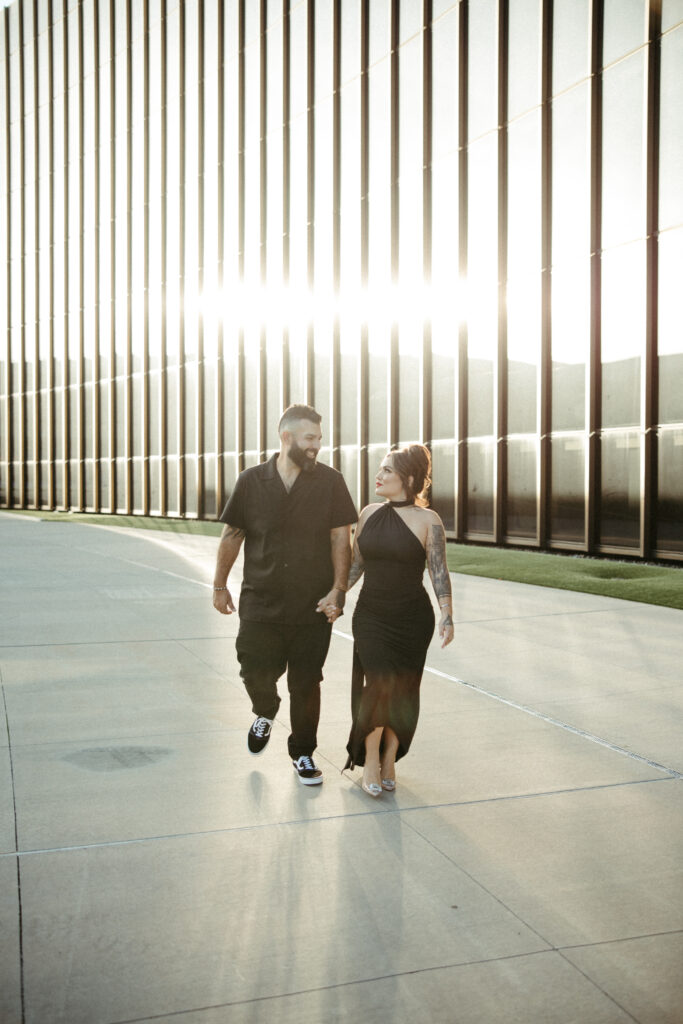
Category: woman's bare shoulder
[369,510]
[430,517]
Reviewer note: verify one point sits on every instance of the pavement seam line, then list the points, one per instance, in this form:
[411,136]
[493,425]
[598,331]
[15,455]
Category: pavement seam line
[582,733]
[17,855]
[394,811]
[357,981]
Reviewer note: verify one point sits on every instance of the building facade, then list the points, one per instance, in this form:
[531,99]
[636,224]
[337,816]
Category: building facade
[454,222]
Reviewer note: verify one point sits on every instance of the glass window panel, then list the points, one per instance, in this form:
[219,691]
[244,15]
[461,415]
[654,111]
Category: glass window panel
[410,21]
[274,212]
[623,331]
[350,471]
[445,85]
[524,82]
[522,476]
[480,461]
[482,285]
[524,353]
[230,391]
[379,245]
[411,249]
[482,242]
[409,399]
[410,109]
[379,30]
[672,13]
[298,365]
[567,503]
[444,377]
[570,344]
[172,485]
[273,396]
[620,489]
[232,12]
[670,331]
[252,171]
[524,195]
[623,164]
[571,35]
[670,491]
[379,134]
[274,71]
[443,482]
[671,131]
[298,211]
[252,358]
[445,245]
[350,40]
[252,22]
[323,195]
[625,28]
[321,377]
[348,411]
[171,380]
[298,70]
[378,429]
[231,188]
[324,62]
[350,182]
[571,208]
[480,396]
[482,84]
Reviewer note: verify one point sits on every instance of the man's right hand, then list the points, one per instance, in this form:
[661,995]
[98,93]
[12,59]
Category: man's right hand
[222,602]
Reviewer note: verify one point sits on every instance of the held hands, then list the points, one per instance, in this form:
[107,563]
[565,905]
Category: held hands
[332,605]
[222,602]
[446,628]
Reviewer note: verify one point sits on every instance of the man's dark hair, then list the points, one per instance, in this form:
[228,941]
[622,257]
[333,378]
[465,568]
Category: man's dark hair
[294,413]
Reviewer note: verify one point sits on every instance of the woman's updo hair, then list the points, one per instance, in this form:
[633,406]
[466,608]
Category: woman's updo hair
[414,461]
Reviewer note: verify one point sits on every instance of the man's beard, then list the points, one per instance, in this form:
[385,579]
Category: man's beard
[301,459]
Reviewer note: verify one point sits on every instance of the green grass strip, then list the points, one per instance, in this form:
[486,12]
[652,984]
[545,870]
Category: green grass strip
[197,526]
[630,581]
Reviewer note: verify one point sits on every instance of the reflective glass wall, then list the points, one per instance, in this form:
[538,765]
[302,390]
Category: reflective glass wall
[460,223]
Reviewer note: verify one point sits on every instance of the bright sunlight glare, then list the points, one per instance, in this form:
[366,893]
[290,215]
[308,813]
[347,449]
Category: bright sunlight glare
[378,309]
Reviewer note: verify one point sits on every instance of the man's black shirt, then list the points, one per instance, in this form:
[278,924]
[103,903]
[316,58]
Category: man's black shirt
[287,554]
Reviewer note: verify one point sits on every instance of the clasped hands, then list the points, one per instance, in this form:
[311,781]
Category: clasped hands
[332,605]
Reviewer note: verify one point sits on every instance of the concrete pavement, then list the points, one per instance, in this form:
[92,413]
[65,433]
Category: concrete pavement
[529,867]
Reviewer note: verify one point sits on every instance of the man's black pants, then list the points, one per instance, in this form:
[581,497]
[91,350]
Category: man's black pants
[265,650]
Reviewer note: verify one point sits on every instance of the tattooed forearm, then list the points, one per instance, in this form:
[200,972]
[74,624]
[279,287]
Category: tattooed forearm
[356,570]
[437,565]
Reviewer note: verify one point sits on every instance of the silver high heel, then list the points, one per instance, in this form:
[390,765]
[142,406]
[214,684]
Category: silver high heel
[389,785]
[371,788]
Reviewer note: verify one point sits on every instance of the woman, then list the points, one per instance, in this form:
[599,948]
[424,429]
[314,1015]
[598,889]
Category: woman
[394,621]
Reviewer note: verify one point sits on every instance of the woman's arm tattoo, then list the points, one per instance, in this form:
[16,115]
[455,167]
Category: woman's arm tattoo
[355,572]
[436,562]
[357,566]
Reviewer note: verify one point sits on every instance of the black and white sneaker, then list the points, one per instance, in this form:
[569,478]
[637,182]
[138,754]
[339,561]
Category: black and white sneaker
[259,734]
[307,771]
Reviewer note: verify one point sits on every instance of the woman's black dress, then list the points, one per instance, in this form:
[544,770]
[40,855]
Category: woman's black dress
[392,626]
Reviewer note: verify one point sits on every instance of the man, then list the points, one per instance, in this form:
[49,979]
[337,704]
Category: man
[294,516]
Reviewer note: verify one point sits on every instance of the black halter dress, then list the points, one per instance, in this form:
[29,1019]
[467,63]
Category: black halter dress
[392,626]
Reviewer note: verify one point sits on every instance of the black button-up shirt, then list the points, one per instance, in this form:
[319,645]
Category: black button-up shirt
[287,551]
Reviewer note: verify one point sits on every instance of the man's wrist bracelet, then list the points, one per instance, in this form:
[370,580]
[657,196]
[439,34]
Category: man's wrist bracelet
[220,588]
